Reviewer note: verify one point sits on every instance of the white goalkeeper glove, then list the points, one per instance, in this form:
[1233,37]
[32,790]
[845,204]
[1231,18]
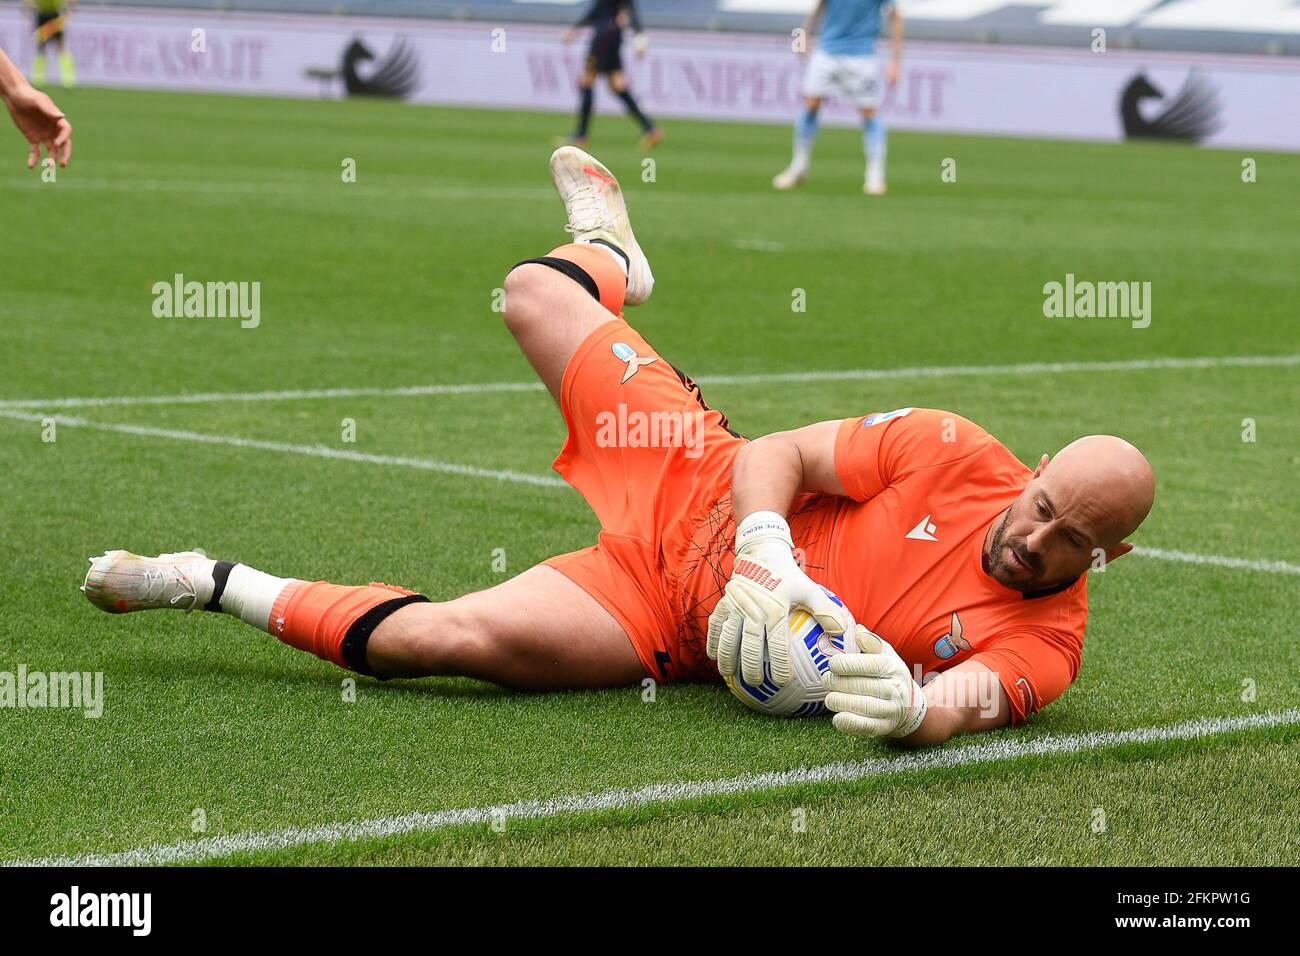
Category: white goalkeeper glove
[765,582]
[873,693]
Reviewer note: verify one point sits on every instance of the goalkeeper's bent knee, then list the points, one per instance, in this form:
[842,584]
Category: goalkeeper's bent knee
[594,269]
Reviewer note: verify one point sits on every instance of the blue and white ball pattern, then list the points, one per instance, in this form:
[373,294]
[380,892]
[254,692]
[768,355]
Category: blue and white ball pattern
[811,649]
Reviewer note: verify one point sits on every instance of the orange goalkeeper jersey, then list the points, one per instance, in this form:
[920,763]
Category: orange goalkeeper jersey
[903,551]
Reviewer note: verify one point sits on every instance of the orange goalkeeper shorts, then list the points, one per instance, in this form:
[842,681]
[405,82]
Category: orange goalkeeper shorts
[652,460]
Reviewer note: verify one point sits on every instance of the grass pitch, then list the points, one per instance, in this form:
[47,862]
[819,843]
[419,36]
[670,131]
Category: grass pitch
[389,282]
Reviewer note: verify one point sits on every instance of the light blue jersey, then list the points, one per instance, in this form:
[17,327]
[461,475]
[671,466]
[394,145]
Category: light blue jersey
[850,27]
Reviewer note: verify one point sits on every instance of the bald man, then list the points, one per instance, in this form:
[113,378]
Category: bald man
[965,571]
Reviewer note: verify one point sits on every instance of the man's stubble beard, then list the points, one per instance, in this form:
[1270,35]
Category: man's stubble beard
[996,567]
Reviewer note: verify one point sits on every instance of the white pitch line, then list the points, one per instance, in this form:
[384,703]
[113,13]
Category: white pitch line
[213,848]
[1219,561]
[317,451]
[413,188]
[757,378]
[1023,368]
[300,189]
[198,398]
[544,481]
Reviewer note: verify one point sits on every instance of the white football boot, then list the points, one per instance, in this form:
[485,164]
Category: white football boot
[875,183]
[594,202]
[788,178]
[120,582]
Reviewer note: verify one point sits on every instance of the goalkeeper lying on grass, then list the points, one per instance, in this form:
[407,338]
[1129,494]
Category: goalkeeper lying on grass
[960,561]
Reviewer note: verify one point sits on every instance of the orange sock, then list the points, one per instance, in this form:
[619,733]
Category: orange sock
[334,621]
[599,265]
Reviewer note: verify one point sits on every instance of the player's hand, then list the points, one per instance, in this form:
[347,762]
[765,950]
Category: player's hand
[640,43]
[568,36]
[42,123]
[765,582]
[891,73]
[873,693]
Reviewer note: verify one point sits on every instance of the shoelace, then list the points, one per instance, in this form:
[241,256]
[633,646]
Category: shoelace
[190,591]
[156,581]
[585,205]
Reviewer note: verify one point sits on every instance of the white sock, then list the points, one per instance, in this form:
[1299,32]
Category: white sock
[622,263]
[250,594]
[802,157]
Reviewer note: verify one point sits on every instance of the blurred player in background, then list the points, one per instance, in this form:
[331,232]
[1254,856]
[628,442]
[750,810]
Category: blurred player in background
[51,19]
[844,62]
[605,58]
[37,118]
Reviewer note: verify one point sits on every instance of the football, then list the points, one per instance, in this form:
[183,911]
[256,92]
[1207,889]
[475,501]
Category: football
[811,649]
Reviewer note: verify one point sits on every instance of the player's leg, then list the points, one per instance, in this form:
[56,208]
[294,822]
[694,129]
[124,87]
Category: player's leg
[554,302]
[650,134]
[860,83]
[586,97]
[550,313]
[38,55]
[805,135]
[536,631]
[67,69]
[875,149]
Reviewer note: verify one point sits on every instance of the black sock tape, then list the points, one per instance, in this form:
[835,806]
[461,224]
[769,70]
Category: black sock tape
[570,269]
[621,254]
[358,635]
[220,574]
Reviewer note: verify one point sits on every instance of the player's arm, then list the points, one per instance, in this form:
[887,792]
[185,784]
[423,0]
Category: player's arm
[964,699]
[895,44]
[589,17]
[875,694]
[633,19]
[1007,679]
[769,472]
[766,578]
[814,15]
[35,115]
[640,42]
[587,20]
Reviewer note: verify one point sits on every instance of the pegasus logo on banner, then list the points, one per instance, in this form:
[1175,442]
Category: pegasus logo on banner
[396,75]
[1191,115]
